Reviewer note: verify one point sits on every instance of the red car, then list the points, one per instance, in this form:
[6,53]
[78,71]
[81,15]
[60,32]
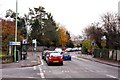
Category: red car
[54,57]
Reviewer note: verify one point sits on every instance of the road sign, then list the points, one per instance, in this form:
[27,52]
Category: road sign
[92,43]
[24,41]
[34,41]
[14,43]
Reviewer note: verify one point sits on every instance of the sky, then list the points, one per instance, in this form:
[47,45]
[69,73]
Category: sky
[75,15]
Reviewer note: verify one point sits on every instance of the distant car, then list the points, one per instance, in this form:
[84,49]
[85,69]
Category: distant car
[80,48]
[54,57]
[68,49]
[66,55]
[58,49]
[75,49]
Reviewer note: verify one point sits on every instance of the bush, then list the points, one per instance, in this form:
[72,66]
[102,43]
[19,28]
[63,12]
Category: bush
[101,53]
[86,45]
[97,53]
[84,50]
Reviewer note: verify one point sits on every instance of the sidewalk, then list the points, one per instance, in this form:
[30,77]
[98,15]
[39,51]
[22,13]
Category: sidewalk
[100,60]
[29,62]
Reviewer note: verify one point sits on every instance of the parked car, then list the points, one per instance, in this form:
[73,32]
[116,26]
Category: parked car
[66,55]
[54,57]
[44,54]
[68,49]
[58,49]
[75,49]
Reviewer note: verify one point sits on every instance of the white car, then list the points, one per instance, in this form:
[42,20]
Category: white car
[58,49]
[68,49]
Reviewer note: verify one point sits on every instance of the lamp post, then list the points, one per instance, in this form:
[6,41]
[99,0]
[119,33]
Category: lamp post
[16,30]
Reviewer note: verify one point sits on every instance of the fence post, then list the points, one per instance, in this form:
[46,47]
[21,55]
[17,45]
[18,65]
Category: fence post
[118,55]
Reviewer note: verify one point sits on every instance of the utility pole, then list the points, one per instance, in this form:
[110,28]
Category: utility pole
[16,30]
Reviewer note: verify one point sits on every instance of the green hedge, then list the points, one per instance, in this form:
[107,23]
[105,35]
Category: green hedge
[102,53]
[97,53]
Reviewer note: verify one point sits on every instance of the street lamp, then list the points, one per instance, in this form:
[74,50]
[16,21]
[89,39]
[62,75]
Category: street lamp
[16,30]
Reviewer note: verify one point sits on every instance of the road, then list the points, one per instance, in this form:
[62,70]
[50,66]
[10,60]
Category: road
[75,69]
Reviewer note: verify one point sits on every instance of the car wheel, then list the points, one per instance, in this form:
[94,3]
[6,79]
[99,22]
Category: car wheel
[48,64]
[61,63]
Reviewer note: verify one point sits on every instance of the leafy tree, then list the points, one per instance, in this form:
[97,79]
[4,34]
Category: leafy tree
[69,44]
[63,35]
[21,26]
[86,44]
[8,31]
[43,27]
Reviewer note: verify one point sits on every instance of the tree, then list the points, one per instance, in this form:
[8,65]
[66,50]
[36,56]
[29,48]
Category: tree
[8,31]
[43,27]
[95,33]
[63,35]
[69,44]
[21,26]
[111,30]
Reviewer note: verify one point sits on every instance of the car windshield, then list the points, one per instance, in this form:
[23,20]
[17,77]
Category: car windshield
[66,53]
[55,54]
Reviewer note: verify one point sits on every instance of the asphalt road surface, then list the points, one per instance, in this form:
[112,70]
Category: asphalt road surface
[77,68]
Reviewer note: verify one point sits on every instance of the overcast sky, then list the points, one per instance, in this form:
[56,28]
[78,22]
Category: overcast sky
[74,14]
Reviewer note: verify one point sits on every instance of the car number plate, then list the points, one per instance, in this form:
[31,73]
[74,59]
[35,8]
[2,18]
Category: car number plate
[55,61]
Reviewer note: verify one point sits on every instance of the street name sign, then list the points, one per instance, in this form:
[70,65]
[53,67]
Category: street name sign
[14,43]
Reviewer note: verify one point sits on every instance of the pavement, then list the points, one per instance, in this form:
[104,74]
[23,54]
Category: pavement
[28,62]
[100,60]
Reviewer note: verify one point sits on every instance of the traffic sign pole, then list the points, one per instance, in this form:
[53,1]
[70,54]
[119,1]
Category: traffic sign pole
[16,31]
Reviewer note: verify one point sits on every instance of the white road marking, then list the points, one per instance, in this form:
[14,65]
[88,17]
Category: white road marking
[30,77]
[79,58]
[41,62]
[83,59]
[20,77]
[34,68]
[27,57]
[101,71]
[33,61]
[41,73]
[38,73]
[65,71]
[110,76]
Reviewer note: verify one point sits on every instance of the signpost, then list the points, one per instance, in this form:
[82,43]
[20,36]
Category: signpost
[34,46]
[16,30]
[24,49]
[93,44]
[12,43]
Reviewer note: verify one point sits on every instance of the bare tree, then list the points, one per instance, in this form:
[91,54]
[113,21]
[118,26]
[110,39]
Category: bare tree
[111,30]
[94,32]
